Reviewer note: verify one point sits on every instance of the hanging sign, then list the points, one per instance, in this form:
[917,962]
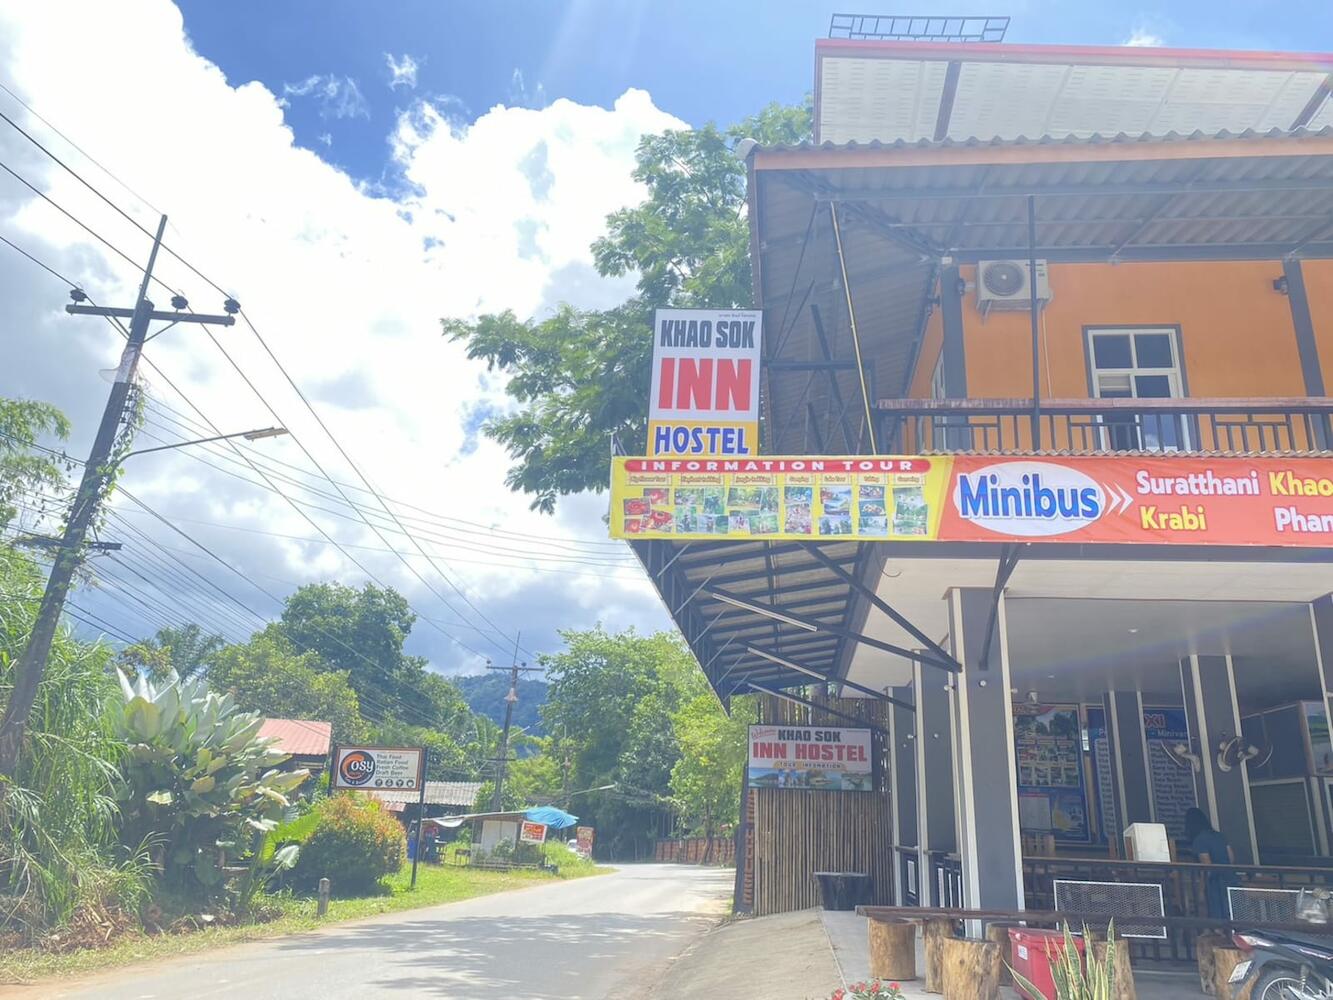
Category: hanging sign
[1100,499]
[362,767]
[532,833]
[705,384]
[811,757]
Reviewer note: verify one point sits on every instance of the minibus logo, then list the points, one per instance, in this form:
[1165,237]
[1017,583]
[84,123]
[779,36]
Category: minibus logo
[1029,498]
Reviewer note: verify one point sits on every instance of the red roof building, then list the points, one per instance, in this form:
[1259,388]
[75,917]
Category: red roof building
[307,740]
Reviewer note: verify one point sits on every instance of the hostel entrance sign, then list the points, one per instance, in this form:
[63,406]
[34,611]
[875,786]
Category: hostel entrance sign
[1102,499]
[811,757]
[705,388]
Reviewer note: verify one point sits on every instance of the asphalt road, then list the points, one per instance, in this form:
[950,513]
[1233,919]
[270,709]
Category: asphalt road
[587,939]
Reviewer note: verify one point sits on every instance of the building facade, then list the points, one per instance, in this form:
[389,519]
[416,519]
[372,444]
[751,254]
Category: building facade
[1043,693]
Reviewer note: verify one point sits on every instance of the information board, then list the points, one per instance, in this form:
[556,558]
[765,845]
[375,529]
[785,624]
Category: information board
[1049,754]
[1103,778]
[1172,785]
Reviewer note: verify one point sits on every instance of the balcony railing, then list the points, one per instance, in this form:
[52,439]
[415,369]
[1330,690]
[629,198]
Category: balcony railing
[1299,425]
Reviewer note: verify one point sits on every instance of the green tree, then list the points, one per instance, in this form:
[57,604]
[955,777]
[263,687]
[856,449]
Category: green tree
[269,676]
[24,469]
[706,779]
[186,650]
[580,377]
[610,702]
[362,633]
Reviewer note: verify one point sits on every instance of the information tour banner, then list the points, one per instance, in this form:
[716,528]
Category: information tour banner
[811,757]
[1112,499]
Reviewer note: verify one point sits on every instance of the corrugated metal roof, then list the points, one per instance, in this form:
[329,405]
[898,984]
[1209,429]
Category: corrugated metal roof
[1322,128]
[438,793]
[888,91]
[299,737]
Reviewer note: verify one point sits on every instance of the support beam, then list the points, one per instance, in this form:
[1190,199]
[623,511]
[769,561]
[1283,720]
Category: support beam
[1009,556]
[941,658]
[1127,744]
[1208,684]
[1306,345]
[951,74]
[988,841]
[820,675]
[937,831]
[902,785]
[835,390]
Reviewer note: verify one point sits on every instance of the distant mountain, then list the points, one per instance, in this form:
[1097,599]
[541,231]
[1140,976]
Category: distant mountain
[485,694]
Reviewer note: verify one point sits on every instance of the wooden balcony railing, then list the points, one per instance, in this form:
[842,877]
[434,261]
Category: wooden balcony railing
[1297,425]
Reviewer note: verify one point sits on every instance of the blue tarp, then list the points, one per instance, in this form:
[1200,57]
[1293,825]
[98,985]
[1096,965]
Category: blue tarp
[556,819]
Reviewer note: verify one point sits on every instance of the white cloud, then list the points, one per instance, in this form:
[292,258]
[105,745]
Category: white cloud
[402,71]
[346,285]
[338,96]
[1142,38]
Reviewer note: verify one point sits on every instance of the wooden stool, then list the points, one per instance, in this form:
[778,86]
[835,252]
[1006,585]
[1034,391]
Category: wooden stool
[934,932]
[892,948]
[971,969]
[998,933]
[1124,975]
[1204,947]
[1224,960]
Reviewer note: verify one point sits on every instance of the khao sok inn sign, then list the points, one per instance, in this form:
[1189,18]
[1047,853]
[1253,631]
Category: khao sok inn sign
[810,757]
[1112,499]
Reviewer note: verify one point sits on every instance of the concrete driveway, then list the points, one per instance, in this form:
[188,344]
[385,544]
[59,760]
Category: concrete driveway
[607,936]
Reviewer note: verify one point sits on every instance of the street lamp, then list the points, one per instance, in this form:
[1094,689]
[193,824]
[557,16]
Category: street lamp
[256,435]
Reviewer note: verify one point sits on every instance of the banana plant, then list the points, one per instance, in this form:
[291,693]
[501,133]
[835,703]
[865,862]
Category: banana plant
[198,780]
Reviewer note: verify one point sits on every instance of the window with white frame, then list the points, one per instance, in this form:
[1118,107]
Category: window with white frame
[1138,364]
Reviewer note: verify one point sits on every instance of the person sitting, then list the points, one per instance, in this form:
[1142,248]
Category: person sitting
[1210,847]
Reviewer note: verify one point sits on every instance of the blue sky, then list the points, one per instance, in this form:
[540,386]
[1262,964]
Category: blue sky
[700,60]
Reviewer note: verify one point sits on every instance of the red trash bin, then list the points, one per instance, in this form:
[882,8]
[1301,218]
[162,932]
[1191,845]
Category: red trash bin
[1032,952]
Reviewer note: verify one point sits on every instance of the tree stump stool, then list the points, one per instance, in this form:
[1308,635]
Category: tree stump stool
[998,933]
[892,948]
[1124,975]
[971,969]
[1204,947]
[1224,960]
[934,932]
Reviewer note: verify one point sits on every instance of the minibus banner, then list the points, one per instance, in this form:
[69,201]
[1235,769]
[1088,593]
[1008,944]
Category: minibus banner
[1095,499]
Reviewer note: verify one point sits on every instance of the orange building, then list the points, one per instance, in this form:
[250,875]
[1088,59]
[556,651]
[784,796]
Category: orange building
[1034,697]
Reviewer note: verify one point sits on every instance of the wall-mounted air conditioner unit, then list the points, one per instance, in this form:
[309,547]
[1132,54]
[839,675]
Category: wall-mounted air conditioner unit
[1003,284]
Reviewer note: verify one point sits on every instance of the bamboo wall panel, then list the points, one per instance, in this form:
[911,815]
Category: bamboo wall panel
[798,832]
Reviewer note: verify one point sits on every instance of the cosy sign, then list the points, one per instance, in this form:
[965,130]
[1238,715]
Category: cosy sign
[1095,499]
[705,382]
[379,768]
[810,757]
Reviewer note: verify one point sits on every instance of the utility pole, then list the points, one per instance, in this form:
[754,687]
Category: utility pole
[502,762]
[97,474]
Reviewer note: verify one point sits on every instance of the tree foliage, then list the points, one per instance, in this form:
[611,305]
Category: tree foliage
[580,377]
[706,779]
[23,468]
[185,650]
[267,675]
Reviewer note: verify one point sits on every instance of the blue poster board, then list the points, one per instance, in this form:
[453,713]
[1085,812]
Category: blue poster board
[1102,779]
[1172,785]
[1048,749]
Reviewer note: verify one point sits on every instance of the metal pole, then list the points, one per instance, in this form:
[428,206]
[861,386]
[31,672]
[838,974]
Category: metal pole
[96,475]
[421,815]
[1036,325]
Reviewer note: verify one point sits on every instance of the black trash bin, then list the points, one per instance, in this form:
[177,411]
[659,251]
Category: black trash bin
[843,890]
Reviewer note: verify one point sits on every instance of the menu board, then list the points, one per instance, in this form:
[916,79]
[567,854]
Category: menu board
[1102,775]
[1172,784]
[1049,754]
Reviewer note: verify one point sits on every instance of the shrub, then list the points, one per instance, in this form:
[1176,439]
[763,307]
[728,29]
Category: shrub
[354,844]
[199,782]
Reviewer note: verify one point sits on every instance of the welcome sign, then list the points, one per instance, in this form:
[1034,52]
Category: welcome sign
[705,383]
[1085,500]
[810,757]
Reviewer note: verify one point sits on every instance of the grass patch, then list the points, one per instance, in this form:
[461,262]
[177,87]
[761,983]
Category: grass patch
[435,884]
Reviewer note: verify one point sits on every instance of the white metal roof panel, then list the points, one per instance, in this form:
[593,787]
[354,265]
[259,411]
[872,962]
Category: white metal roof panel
[1006,92]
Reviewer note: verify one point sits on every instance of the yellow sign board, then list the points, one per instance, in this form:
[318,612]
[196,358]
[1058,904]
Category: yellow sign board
[854,498]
